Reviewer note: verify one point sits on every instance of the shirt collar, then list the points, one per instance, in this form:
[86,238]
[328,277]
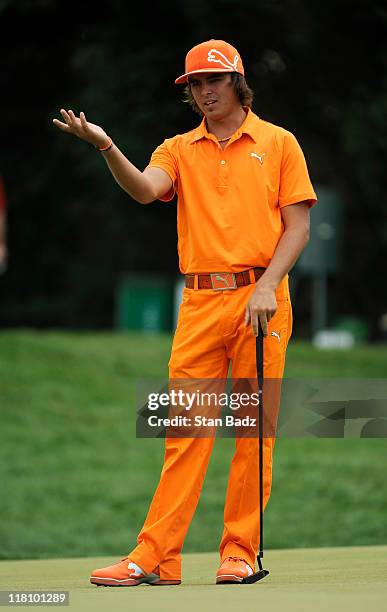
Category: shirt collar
[250,126]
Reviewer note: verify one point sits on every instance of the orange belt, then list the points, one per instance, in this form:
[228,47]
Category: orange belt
[221,281]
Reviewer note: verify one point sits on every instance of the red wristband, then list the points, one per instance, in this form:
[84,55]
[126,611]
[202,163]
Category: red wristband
[108,146]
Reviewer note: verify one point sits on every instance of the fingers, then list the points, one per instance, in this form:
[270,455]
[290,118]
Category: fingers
[80,127]
[72,123]
[257,320]
[263,320]
[73,118]
[82,117]
[60,125]
[261,308]
[65,127]
[247,316]
[254,323]
[65,116]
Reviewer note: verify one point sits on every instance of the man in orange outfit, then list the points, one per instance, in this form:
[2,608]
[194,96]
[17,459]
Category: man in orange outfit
[243,219]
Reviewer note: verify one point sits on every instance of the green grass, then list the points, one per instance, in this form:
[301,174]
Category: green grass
[76,481]
[327,580]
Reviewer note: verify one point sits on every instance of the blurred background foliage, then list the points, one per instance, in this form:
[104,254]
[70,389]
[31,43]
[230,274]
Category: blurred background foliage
[318,69]
[71,464]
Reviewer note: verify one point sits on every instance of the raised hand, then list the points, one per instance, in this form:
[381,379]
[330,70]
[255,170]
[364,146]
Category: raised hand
[79,126]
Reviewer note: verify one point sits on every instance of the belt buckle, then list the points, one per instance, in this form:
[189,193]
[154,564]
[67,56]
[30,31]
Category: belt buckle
[221,281]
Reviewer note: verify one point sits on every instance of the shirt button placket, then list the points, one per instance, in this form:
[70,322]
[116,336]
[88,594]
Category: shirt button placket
[223,173]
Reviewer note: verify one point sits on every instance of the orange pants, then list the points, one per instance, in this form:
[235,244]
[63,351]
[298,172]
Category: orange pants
[210,334]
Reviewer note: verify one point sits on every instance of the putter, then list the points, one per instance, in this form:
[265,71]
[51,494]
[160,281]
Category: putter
[259,361]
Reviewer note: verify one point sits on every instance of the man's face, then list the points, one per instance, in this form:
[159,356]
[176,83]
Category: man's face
[214,94]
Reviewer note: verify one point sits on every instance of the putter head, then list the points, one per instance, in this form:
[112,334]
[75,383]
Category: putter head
[255,577]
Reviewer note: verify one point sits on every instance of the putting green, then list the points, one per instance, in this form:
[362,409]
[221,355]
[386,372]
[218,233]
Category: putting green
[300,580]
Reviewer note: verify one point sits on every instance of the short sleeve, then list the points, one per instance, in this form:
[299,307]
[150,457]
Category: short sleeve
[163,158]
[295,184]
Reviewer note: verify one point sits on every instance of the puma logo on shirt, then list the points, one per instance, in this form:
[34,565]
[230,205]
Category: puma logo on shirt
[260,156]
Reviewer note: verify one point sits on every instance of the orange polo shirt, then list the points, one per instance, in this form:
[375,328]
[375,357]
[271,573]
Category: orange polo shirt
[229,200]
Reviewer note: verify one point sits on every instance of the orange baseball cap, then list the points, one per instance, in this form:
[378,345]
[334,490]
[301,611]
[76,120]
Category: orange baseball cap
[211,56]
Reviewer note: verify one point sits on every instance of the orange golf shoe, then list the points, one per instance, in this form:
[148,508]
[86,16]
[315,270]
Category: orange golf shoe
[125,573]
[233,570]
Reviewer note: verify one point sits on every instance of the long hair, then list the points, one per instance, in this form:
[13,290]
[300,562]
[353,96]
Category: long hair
[242,90]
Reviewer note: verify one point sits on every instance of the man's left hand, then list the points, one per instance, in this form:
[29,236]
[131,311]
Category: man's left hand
[261,307]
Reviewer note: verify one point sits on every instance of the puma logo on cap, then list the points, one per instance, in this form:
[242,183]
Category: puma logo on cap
[216,56]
